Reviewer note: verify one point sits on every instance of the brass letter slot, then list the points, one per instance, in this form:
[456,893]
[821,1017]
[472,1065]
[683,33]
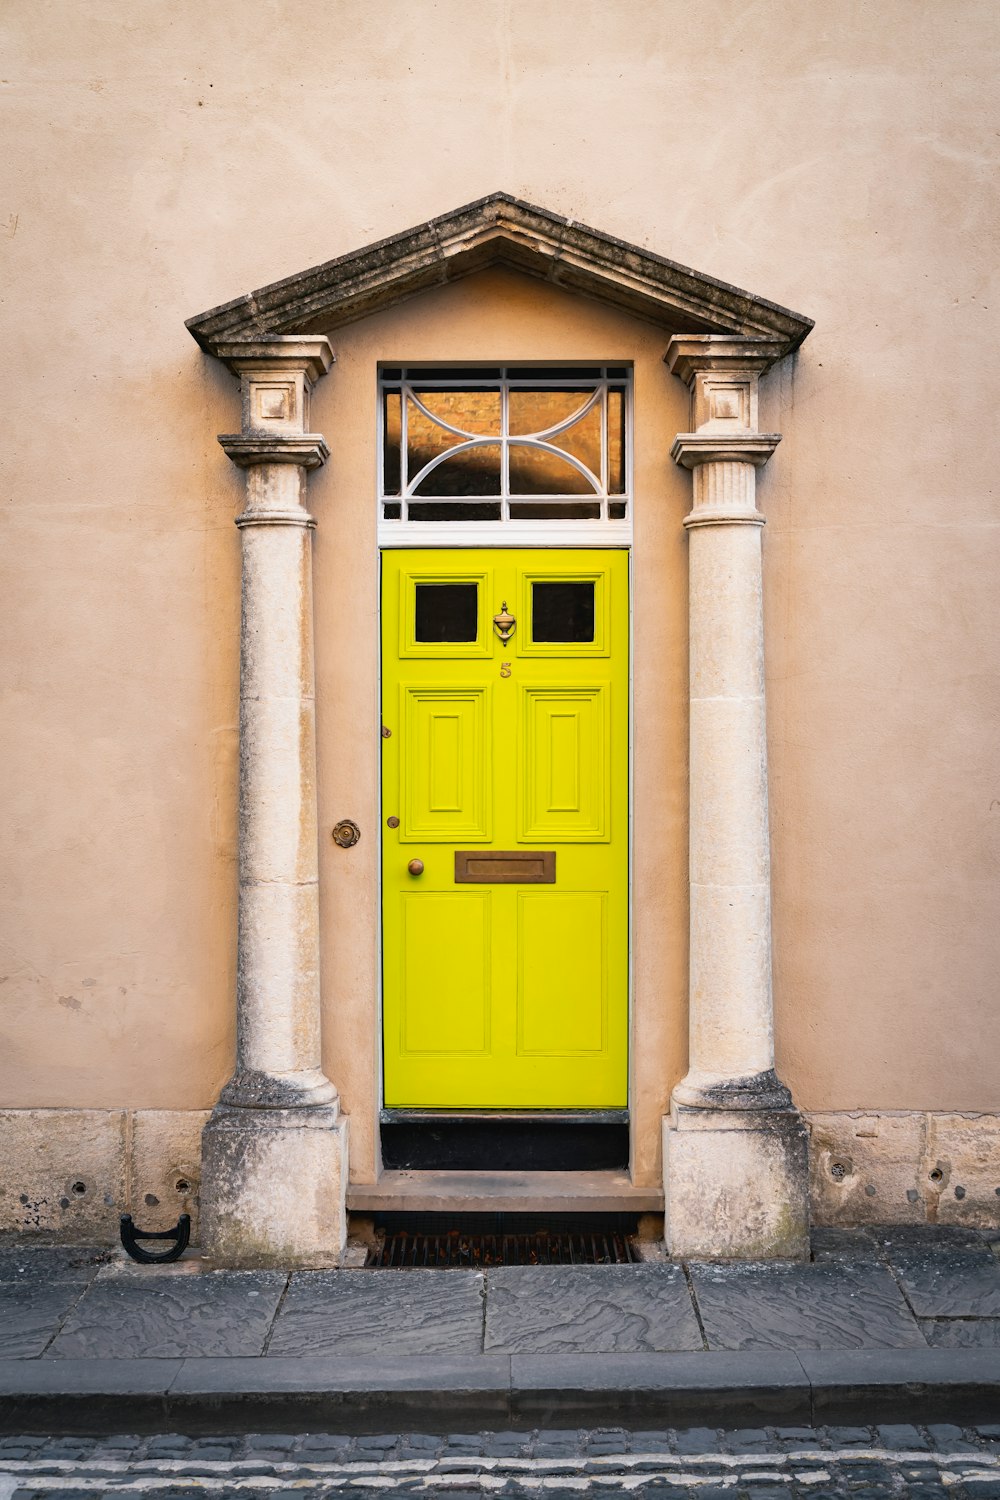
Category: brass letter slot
[505,867]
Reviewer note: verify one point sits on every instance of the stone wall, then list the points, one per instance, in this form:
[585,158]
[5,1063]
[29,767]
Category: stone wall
[70,1173]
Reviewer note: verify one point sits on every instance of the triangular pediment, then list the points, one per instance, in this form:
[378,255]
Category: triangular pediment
[499,231]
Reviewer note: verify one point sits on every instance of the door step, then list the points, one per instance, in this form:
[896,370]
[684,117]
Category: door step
[504,1192]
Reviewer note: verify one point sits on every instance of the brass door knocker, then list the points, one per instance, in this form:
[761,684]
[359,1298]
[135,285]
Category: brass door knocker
[504,623]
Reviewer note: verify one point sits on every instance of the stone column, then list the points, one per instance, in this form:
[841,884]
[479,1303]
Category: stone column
[274,1153]
[735,1148]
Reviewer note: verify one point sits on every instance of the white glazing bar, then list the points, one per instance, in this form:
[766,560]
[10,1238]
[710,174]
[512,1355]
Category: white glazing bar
[404,457]
[604,450]
[504,451]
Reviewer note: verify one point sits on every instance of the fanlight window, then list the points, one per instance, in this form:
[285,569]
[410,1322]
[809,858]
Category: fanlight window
[511,443]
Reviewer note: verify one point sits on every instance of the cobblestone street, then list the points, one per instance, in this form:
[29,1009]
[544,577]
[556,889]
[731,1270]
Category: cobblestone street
[826,1463]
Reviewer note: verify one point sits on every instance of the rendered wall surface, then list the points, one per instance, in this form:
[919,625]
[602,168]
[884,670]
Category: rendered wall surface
[160,160]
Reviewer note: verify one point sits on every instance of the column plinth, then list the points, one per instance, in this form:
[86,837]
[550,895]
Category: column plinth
[275,1148]
[735,1169]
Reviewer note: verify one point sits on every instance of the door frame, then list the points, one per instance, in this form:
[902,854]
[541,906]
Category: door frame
[493,543]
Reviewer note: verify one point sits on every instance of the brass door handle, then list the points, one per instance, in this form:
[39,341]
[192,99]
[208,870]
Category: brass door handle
[416,867]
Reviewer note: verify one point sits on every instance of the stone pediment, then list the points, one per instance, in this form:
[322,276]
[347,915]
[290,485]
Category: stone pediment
[499,231]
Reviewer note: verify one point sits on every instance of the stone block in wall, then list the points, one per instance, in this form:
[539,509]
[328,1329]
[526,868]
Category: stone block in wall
[961,1168]
[62,1172]
[867,1168]
[164,1167]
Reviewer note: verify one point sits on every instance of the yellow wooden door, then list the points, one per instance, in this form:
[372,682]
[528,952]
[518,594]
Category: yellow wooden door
[505,828]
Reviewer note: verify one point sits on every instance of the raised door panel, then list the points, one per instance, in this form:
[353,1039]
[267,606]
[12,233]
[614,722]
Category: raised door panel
[448,755]
[563,780]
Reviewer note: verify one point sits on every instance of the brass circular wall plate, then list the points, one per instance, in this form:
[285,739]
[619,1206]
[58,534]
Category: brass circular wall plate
[346,833]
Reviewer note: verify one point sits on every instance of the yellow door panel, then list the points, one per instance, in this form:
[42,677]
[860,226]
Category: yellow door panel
[448,754]
[445,1007]
[566,793]
[562,1008]
[505,979]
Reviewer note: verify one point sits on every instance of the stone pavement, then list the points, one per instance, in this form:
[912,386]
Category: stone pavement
[882,1324]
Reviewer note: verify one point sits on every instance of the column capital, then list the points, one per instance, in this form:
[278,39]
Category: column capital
[285,351]
[722,372]
[691,449]
[276,377]
[692,354]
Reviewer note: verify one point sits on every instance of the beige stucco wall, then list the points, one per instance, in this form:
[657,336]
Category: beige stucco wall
[163,159]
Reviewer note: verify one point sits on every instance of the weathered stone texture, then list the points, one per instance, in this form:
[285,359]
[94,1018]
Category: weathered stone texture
[71,1173]
[164,1167]
[905,1169]
[735,1185]
[278,1180]
[63,1172]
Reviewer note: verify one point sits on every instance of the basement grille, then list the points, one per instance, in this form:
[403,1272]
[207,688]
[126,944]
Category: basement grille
[402,1250]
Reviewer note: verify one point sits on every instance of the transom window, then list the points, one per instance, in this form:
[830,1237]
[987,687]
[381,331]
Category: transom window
[512,443]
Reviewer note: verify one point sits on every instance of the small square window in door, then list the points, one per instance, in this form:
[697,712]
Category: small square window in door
[446,612]
[562,612]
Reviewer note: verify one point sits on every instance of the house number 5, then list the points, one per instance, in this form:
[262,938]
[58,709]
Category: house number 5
[505,669]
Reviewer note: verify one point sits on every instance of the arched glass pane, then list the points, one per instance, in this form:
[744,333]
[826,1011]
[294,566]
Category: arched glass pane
[475,412]
[472,471]
[534,471]
[537,411]
[582,438]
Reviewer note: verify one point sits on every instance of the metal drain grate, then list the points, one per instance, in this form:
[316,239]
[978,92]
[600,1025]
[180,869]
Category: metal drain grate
[401,1249]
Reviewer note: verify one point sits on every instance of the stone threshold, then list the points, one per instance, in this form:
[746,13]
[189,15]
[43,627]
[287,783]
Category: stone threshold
[503,1192]
[434,1393]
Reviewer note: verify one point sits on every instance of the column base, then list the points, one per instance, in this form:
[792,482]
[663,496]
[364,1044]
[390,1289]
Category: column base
[249,1088]
[736,1184]
[274,1185]
[754,1092]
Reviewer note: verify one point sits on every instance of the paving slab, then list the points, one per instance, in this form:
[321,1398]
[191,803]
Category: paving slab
[937,1237]
[959,1283]
[32,1313]
[381,1312]
[826,1305]
[961,1333]
[831,1243]
[21,1264]
[593,1309]
[223,1313]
